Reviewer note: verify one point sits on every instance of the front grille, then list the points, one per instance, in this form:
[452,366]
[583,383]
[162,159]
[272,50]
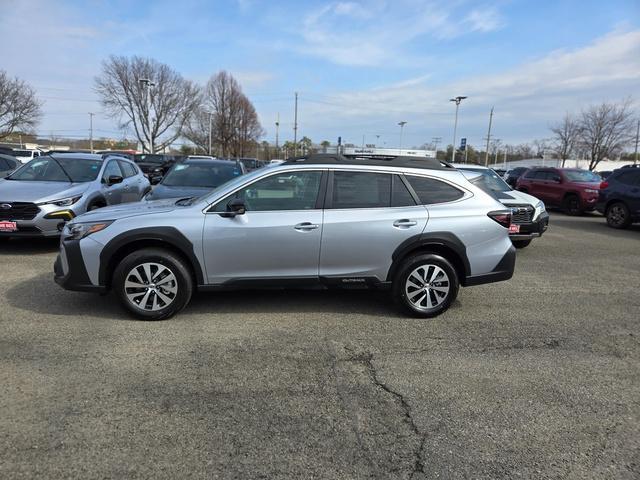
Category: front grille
[18,210]
[521,213]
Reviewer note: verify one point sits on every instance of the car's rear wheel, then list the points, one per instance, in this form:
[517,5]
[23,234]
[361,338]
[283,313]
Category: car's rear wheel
[618,215]
[521,243]
[153,284]
[571,205]
[425,285]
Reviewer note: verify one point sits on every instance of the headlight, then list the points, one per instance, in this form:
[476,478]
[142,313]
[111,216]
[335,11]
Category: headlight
[63,202]
[540,207]
[77,231]
[591,190]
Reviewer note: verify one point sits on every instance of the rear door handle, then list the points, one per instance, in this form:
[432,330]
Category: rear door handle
[306,226]
[405,223]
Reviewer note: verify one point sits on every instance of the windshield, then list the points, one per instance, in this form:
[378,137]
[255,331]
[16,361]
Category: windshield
[489,180]
[149,158]
[581,176]
[206,175]
[48,169]
[22,153]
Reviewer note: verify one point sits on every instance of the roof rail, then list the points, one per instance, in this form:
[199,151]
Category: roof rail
[374,160]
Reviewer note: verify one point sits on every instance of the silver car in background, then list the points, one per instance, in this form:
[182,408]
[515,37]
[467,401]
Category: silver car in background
[39,197]
[415,226]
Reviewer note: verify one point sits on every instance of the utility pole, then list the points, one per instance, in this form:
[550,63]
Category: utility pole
[210,129]
[466,150]
[148,84]
[457,101]
[362,142]
[635,155]
[377,140]
[277,132]
[402,124]
[486,154]
[91,131]
[295,129]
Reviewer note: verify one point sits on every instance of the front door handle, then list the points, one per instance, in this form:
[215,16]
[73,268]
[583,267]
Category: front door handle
[405,223]
[306,226]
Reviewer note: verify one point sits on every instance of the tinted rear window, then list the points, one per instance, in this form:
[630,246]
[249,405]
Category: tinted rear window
[361,190]
[431,191]
[400,195]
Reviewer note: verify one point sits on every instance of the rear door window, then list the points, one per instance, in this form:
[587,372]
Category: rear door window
[361,190]
[127,169]
[430,190]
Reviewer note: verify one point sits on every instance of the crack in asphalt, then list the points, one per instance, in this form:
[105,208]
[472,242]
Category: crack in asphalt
[366,359]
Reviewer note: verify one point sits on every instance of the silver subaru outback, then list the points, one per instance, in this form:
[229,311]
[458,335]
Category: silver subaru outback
[415,226]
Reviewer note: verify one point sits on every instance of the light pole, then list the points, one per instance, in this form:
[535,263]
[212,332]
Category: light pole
[295,128]
[91,131]
[377,140]
[277,132]
[457,100]
[210,129]
[402,124]
[148,84]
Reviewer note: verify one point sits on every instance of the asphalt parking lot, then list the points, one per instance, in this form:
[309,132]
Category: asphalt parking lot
[537,377]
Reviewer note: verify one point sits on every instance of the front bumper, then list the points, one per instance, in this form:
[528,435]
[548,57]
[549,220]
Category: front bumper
[69,269]
[46,223]
[533,229]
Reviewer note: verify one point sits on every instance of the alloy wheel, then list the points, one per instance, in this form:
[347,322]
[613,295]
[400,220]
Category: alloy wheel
[151,286]
[427,287]
[617,215]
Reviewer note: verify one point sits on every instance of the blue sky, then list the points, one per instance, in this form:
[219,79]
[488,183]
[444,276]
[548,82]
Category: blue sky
[360,66]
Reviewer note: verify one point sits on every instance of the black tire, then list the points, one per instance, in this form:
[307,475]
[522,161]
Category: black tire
[571,205]
[153,296]
[402,291]
[521,243]
[618,215]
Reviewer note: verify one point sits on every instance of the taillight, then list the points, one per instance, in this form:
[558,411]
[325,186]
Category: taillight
[503,217]
[604,184]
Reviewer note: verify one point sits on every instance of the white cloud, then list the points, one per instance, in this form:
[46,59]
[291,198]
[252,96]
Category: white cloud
[527,97]
[378,32]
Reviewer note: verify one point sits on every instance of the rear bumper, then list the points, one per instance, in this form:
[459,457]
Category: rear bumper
[502,271]
[532,230]
[70,272]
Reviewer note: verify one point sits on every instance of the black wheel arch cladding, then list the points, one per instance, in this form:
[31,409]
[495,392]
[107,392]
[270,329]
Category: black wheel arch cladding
[436,240]
[169,236]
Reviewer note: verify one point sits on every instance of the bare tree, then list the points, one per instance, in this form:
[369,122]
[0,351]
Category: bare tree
[234,123]
[19,107]
[605,130]
[565,137]
[158,122]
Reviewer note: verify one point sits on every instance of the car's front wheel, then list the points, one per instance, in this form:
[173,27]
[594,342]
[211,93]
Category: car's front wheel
[153,284]
[618,215]
[571,205]
[425,285]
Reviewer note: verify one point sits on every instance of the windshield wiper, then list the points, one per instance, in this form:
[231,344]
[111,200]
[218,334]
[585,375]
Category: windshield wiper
[184,202]
[61,168]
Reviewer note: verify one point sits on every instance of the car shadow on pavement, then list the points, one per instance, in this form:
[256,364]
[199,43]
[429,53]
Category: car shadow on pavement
[41,295]
[28,246]
[53,300]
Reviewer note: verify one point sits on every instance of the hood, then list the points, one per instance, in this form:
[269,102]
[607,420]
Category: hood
[162,191]
[124,210]
[38,192]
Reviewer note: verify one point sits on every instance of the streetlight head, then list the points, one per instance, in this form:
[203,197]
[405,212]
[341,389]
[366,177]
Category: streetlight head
[402,124]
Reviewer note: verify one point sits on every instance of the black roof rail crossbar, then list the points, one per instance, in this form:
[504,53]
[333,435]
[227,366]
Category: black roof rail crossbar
[380,161]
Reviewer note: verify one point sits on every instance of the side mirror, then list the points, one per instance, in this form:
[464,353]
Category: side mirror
[155,180]
[235,207]
[113,179]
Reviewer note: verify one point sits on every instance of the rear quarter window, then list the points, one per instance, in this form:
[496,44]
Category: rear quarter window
[430,190]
